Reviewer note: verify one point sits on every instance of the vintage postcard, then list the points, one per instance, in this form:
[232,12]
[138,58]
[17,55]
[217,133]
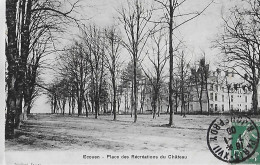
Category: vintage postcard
[130,82]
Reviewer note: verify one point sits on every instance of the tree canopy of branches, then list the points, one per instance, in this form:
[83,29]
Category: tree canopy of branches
[182,75]
[240,44]
[27,23]
[74,69]
[134,18]
[155,73]
[170,14]
[112,47]
[199,77]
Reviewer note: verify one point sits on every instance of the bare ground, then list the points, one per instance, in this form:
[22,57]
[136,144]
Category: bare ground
[56,133]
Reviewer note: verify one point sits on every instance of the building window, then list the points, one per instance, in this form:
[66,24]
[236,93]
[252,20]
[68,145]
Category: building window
[223,98]
[231,107]
[245,107]
[232,99]
[217,87]
[191,107]
[222,107]
[246,99]
[223,89]
[216,97]
[191,97]
[211,96]
[216,107]
[211,87]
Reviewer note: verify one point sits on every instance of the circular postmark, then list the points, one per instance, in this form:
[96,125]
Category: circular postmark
[233,139]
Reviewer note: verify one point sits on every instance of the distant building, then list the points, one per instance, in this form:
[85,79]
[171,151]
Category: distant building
[226,92]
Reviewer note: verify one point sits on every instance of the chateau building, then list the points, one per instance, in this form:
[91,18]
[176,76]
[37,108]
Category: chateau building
[225,91]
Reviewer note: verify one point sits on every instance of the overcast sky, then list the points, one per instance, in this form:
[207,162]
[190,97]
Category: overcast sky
[197,34]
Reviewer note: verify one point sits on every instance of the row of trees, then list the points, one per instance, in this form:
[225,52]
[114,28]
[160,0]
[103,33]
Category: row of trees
[98,49]
[77,83]
[31,30]
[31,27]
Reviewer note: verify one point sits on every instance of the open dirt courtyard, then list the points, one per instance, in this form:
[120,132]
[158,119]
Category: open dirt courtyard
[55,133]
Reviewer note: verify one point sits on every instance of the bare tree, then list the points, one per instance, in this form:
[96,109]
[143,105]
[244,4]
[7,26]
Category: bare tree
[182,74]
[74,69]
[240,44]
[12,57]
[155,74]
[20,16]
[112,60]
[203,72]
[170,14]
[94,43]
[134,18]
[127,77]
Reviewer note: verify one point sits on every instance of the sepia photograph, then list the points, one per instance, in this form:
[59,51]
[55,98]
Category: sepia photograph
[130,82]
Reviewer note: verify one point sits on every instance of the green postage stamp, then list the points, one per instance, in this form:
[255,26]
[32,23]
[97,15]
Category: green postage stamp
[235,139]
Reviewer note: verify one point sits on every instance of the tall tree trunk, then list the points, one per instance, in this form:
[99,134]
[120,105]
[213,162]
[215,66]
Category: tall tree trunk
[132,99]
[27,107]
[28,96]
[159,106]
[188,110]
[155,101]
[118,103]
[63,105]
[55,104]
[86,106]
[18,104]
[182,102]
[142,100]
[126,101]
[11,55]
[79,106]
[176,103]
[25,46]
[135,87]
[114,95]
[171,63]
[154,105]
[207,93]
[70,105]
[200,97]
[73,105]
[96,107]
[255,98]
